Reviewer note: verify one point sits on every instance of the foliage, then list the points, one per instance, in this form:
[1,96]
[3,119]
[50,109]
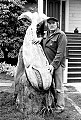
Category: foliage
[7,68]
[12,30]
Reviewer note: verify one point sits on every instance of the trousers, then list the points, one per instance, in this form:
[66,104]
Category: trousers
[57,86]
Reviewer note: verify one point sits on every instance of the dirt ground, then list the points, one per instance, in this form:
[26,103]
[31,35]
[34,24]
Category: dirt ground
[8,111]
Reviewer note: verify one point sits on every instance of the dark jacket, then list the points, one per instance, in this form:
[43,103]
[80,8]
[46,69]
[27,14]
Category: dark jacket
[55,48]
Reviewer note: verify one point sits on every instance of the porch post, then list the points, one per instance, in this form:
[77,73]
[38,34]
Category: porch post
[60,14]
[67,16]
[46,7]
[65,72]
[40,6]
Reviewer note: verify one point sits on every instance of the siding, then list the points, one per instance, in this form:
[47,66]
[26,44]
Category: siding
[74,15]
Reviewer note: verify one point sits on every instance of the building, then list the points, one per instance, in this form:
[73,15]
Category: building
[67,11]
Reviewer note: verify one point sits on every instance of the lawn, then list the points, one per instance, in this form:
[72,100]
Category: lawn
[8,111]
[4,76]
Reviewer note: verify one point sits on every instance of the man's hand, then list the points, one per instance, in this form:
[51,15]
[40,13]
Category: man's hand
[51,68]
[38,40]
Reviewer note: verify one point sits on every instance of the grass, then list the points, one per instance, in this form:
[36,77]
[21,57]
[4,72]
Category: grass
[8,111]
[4,76]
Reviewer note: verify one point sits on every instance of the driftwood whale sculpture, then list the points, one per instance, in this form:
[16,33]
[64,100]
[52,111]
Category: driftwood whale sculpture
[37,79]
[36,63]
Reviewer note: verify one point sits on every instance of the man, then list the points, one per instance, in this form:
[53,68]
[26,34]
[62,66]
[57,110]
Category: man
[54,46]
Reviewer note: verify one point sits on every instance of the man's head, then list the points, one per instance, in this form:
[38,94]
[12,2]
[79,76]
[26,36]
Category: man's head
[52,23]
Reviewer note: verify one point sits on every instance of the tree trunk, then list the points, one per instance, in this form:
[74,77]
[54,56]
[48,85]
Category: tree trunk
[5,51]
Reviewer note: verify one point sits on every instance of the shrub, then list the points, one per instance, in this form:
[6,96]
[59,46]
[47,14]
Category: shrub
[12,30]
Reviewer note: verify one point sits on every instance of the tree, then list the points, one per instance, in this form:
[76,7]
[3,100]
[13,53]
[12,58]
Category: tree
[12,30]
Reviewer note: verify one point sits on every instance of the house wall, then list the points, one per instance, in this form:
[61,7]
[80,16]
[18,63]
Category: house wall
[74,15]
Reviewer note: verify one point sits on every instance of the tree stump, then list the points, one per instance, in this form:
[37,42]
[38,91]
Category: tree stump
[31,100]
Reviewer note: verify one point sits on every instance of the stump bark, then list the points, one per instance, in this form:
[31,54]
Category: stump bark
[31,100]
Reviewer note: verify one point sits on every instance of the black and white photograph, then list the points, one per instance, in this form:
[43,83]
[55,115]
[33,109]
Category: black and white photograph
[40,59]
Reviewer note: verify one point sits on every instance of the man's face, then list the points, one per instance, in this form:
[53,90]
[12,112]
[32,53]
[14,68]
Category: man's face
[52,25]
